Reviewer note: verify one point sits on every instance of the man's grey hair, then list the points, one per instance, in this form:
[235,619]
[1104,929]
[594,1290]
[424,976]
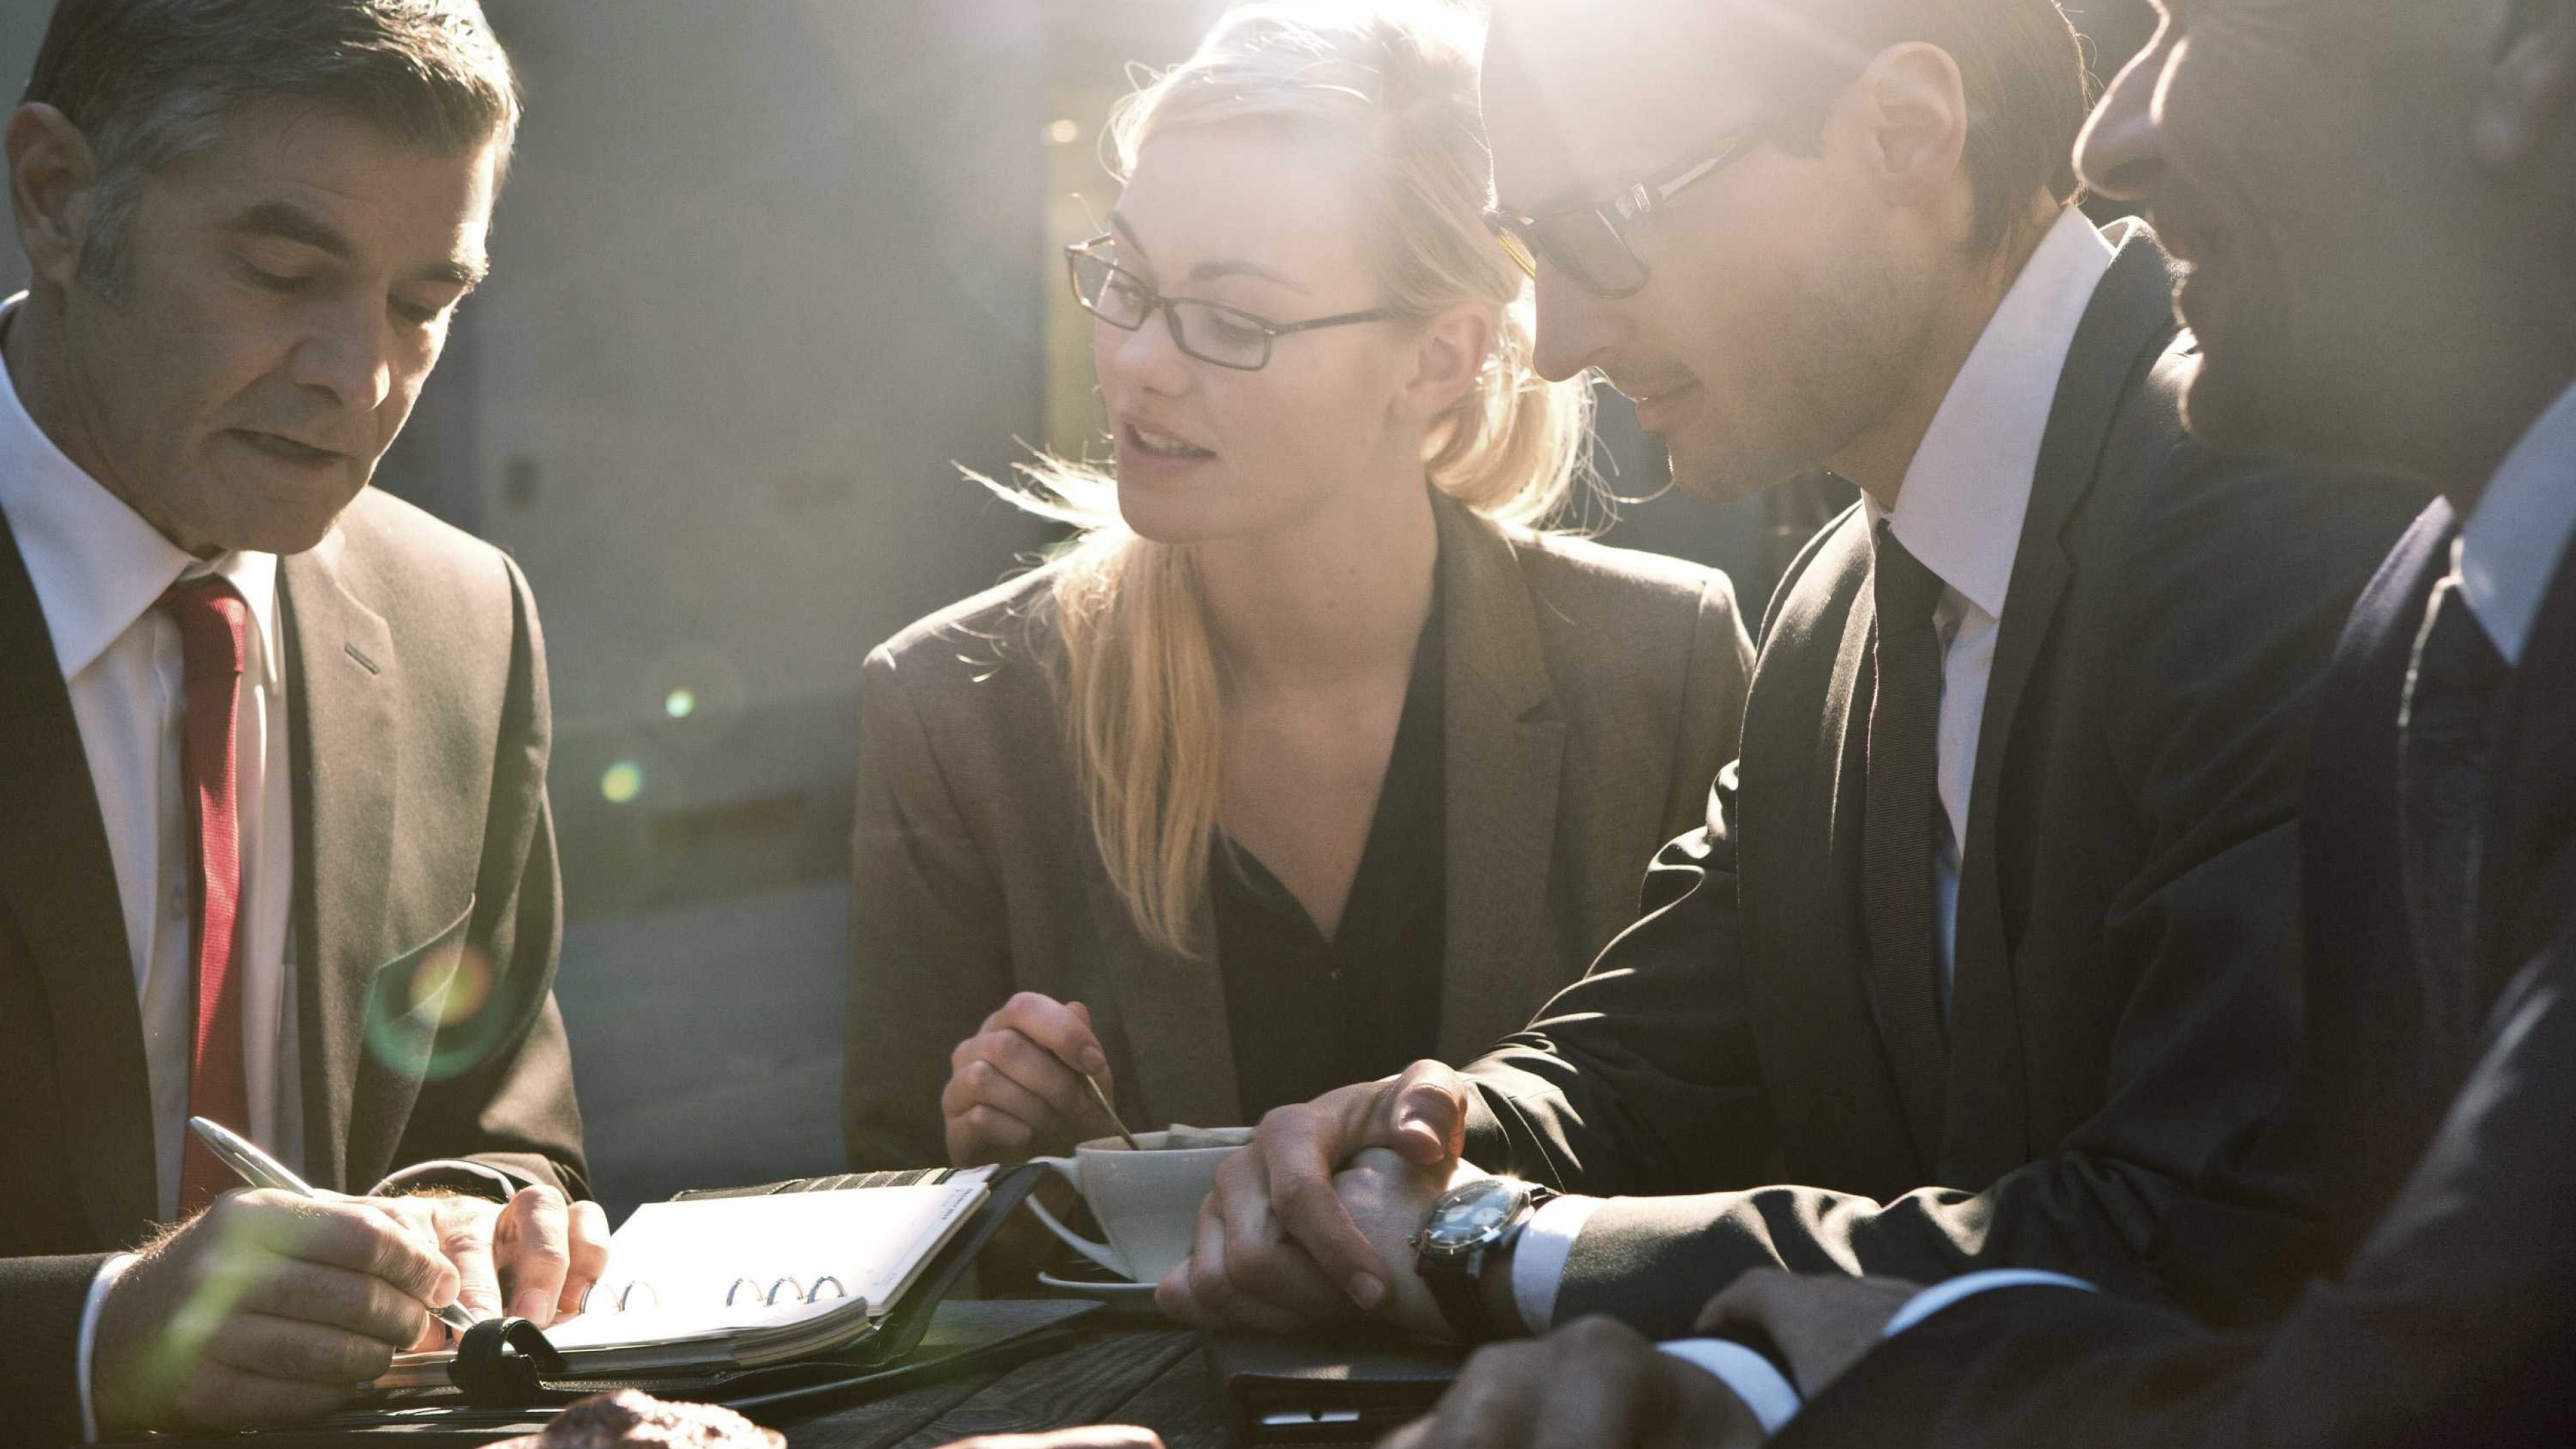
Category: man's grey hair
[150,83]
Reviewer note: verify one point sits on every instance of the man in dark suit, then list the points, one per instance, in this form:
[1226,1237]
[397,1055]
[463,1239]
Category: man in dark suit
[2422,1155]
[274,846]
[1989,944]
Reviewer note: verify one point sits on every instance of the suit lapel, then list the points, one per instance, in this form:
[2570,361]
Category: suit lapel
[1504,742]
[344,736]
[1798,861]
[1986,1127]
[2364,1011]
[58,880]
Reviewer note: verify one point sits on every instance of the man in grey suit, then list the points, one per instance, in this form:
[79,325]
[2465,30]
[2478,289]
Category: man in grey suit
[1988,946]
[274,846]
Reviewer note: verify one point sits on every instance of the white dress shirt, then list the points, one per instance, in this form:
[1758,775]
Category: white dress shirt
[1960,512]
[2509,551]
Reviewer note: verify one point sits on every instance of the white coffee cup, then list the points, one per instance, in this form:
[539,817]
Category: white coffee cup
[1147,1202]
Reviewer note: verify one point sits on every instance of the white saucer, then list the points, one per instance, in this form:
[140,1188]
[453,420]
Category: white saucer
[1120,1295]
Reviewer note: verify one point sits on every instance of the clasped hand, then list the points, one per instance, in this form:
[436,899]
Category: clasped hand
[269,1307]
[1310,1221]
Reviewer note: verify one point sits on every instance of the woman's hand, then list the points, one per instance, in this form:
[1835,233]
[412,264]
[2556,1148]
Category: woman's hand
[1015,1088]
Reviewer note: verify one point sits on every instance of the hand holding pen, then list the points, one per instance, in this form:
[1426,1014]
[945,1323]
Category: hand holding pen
[271,1305]
[260,1170]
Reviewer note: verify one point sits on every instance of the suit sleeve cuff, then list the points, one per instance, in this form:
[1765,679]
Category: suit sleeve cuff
[478,1179]
[108,1272]
[1944,1295]
[1538,1257]
[1748,1375]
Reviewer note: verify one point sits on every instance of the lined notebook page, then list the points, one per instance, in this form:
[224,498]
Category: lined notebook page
[779,1259]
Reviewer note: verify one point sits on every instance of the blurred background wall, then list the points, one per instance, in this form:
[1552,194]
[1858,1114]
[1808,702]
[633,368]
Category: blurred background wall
[767,273]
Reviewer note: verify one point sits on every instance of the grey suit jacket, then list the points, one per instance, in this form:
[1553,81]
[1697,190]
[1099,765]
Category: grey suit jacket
[418,733]
[1592,694]
[2126,997]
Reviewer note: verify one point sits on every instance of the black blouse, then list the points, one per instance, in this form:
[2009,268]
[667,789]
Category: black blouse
[1310,1014]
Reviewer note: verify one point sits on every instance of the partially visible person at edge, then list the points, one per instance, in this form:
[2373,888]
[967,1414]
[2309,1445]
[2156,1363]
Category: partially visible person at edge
[1317,753]
[2377,202]
[275,744]
[1988,945]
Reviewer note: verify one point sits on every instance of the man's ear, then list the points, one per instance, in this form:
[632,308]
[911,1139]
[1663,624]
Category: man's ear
[2527,91]
[1911,109]
[53,187]
[1449,361]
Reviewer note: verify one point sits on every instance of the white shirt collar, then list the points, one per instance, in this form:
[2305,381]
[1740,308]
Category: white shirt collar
[96,565]
[1960,510]
[2510,550]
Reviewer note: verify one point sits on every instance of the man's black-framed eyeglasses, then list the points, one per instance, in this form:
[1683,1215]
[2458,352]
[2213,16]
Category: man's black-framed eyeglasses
[1209,331]
[1590,243]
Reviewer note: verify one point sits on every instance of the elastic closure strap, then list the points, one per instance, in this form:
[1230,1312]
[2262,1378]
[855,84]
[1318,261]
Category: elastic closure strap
[503,1363]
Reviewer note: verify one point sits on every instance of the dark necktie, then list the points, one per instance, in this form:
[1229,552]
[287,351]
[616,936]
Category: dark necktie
[212,620]
[2447,723]
[1898,840]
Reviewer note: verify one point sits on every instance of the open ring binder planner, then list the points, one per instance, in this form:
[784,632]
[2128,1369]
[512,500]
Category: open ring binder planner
[732,1282]
[781,1292]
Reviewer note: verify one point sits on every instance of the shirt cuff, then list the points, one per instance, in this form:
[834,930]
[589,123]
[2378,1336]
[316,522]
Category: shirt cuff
[108,1272]
[1751,1377]
[453,1172]
[1539,1254]
[1932,1300]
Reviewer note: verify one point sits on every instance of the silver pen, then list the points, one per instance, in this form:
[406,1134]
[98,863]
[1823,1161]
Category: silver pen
[259,1169]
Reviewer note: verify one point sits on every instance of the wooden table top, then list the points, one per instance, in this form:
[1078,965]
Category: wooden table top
[1120,1374]
[1117,1370]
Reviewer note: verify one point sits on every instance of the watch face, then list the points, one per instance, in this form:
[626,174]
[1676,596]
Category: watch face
[1470,1213]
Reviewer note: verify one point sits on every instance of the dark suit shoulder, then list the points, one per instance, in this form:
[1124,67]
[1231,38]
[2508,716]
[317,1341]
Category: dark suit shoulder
[399,558]
[974,686]
[2248,569]
[1816,590]
[1004,635]
[1653,603]
[2239,542]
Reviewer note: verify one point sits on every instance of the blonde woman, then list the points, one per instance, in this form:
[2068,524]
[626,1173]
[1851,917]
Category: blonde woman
[1313,756]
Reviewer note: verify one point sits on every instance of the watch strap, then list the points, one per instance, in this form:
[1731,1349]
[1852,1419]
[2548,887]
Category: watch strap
[1458,1289]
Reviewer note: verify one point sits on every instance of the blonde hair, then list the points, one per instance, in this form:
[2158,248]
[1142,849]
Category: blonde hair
[1140,685]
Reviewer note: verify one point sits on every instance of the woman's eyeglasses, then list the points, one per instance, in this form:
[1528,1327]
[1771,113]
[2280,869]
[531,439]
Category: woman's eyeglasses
[1211,332]
[1590,243]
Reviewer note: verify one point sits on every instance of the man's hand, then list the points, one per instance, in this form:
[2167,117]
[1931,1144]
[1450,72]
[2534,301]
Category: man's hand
[266,1308]
[1015,1087]
[1274,1285]
[1093,1437]
[1822,1325]
[1593,1384]
[1276,1247]
[538,1254]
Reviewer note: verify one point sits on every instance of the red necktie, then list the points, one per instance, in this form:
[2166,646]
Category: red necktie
[212,618]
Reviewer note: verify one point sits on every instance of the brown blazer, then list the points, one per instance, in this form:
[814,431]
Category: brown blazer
[418,728]
[1593,694]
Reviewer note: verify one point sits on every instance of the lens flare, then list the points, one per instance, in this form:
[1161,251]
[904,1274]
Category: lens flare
[622,783]
[430,1019]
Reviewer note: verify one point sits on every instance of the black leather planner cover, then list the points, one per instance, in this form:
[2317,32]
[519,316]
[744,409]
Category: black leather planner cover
[1347,1386]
